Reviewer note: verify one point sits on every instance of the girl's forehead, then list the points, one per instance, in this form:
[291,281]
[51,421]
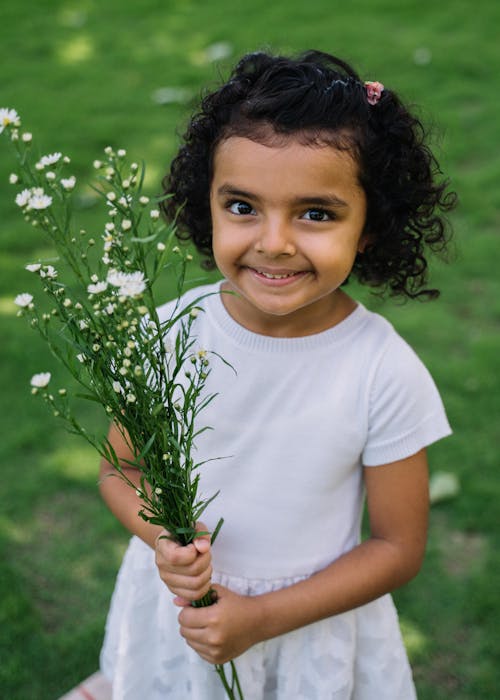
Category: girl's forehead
[287,165]
[242,153]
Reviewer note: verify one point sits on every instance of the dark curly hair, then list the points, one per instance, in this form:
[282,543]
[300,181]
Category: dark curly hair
[320,99]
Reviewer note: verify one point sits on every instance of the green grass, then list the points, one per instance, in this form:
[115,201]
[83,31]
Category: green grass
[82,75]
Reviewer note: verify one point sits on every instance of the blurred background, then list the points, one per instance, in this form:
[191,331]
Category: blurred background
[84,74]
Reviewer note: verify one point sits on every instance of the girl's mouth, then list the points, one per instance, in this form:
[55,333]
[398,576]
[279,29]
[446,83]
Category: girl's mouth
[276,277]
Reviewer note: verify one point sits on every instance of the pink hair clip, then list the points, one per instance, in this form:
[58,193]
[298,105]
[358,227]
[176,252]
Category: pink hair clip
[374,91]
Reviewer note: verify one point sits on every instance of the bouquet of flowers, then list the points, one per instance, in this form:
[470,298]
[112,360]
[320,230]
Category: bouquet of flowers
[103,326]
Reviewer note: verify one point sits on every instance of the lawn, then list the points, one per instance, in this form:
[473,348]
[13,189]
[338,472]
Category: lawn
[83,75]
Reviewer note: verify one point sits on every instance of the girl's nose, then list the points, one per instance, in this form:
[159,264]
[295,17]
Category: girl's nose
[275,238]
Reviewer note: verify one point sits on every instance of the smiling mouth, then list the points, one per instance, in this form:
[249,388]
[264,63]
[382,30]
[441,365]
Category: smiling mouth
[275,275]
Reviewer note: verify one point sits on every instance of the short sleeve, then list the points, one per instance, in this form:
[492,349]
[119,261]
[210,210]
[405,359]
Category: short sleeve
[406,412]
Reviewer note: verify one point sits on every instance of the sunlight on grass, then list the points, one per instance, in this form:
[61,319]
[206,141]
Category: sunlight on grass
[76,50]
[7,306]
[78,462]
[415,640]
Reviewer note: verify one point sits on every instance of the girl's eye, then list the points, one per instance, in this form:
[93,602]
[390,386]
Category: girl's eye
[317,215]
[240,208]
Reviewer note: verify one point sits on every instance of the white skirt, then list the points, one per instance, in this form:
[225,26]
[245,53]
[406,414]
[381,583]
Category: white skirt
[358,655]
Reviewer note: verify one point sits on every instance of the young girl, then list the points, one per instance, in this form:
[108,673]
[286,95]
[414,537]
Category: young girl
[294,175]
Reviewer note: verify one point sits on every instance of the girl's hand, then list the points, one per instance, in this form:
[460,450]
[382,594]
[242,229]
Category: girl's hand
[186,570]
[222,631]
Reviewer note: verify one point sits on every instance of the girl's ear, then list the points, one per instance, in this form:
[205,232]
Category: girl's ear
[364,241]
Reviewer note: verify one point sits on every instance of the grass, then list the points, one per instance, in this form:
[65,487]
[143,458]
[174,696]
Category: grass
[83,74]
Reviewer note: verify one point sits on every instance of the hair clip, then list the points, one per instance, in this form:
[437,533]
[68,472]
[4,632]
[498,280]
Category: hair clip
[374,91]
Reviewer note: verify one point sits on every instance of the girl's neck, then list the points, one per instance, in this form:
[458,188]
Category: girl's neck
[307,321]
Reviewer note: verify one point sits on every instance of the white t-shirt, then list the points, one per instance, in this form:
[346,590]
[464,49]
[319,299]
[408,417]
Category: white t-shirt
[294,421]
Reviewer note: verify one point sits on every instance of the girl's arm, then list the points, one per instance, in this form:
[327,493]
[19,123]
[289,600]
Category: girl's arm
[119,496]
[397,499]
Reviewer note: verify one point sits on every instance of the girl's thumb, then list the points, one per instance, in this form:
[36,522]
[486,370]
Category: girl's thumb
[202,542]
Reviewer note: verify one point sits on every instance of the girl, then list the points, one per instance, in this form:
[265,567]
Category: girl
[293,176]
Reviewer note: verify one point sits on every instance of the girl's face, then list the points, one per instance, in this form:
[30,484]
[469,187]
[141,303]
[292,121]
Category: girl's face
[288,221]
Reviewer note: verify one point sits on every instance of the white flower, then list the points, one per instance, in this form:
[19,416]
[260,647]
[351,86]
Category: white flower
[34,267]
[23,299]
[160,247]
[97,164]
[130,398]
[81,357]
[143,200]
[116,278]
[154,214]
[27,137]
[68,182]
[117,387]
[111,196]
[48,271]
[109,309]
[13,178]
[50,175]
[39,201]
[97,288]
[40,380]
[133,285]
[110,227]
[126,224]
[23,198]
[7,117]
[51,159]
[121,153]
[158,491]
[83,325]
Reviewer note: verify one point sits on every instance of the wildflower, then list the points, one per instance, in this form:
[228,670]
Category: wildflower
[51,159]
[13,178]
[154,214]
[50,175]
[109,309]
[160,247]
[8,117]
[62,392]
[49,272]
[111,196]
[121,153]
[130,398]
[68,183]
[110,227]
[81,358]
[117,387]
[27,137]
[194,313]
[97,288]
[126,224]
[34,267]
[83,325]
[39,201]
[96,347]
[108,151]
[67,303]
[23,198]
[134,167]
[133,285]
[126,184]
[143,200]
[23,300]
[165,457]
[158,491]
[41,380]
[97,164]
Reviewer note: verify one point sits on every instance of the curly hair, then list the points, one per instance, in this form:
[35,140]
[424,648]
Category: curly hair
[320,100]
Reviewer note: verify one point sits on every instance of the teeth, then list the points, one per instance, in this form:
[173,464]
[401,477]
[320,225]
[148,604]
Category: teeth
[275,277]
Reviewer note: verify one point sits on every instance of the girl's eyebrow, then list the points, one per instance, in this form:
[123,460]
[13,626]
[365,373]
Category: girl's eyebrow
[323,201]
